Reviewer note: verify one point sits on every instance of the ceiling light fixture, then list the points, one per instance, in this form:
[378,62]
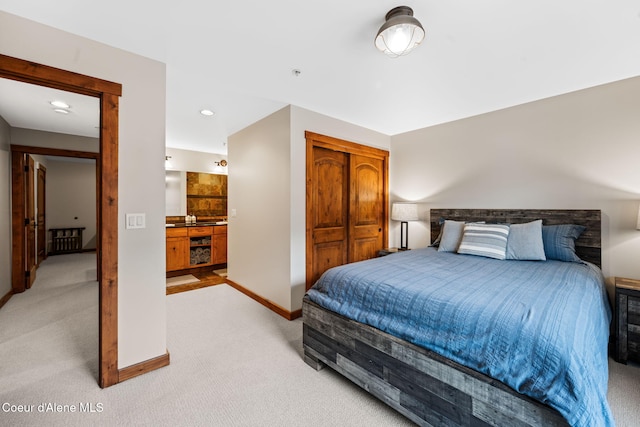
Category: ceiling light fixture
[401,32]
[206,112]
[61,110]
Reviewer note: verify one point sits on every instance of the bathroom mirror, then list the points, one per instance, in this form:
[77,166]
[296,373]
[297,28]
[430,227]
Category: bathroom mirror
[196,193]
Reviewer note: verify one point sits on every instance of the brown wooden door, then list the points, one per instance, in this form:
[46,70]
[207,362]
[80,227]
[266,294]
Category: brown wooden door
[366,201]
[30,222]
[42,236]
[347,208]
[329,191]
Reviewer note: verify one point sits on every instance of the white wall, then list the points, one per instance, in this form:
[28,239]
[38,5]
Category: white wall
[575,151]
[5,208]
[71,197]
[194,161]
[141,258]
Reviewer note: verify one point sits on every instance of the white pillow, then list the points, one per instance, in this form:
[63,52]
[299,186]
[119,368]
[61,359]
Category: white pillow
[488,240]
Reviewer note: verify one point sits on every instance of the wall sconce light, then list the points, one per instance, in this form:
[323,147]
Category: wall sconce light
[401,32]
[222,163]
[404,212]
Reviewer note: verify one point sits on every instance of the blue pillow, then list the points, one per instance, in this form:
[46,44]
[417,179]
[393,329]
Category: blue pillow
[525,241]
[451,236]
[560,241]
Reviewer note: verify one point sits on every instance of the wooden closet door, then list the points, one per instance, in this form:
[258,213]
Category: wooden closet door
[328,188]
[367,199]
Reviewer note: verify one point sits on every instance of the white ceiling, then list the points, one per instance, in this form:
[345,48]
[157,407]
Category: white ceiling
[237,57]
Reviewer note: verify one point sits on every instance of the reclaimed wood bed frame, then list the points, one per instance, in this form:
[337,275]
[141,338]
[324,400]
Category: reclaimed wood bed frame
[427,388]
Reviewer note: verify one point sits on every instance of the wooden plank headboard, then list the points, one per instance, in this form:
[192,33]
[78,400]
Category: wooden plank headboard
[588,245]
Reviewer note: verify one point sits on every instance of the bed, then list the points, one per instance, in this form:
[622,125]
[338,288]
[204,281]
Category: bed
[440,361]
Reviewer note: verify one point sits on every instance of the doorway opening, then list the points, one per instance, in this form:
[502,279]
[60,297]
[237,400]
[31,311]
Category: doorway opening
[108,94]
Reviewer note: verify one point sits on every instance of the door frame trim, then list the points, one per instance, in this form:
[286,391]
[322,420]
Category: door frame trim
[336,144]
[107,176]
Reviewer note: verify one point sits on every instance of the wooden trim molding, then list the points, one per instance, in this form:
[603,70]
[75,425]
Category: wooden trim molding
[336,144]
[143,367]
[5,298]
[46,151]
[289,315]
[43,75]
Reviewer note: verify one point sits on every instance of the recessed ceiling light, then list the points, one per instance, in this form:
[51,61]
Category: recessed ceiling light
[60,104]
[61,110]
[206,112]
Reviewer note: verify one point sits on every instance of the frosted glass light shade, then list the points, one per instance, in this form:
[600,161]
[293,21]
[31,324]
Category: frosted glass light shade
[400,34]
[404,212]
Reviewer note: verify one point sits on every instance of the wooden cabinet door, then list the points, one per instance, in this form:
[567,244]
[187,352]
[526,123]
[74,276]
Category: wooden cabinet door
[177,253]
[329,218]
[220,248]
[219,244]
[366,202]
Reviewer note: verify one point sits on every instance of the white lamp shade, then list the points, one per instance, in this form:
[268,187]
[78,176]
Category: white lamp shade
[404,212]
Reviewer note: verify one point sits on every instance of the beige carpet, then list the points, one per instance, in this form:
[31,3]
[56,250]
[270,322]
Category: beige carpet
[181,280]
[233,363]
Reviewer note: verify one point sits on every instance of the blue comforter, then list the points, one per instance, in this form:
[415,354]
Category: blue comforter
[541,327]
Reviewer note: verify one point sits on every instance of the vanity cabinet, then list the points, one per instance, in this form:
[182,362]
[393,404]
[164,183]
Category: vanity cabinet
[196,246]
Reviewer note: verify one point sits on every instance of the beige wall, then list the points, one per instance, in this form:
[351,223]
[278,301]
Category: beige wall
[63,214]
[577,150]
[305,120]
[71,197]
[267,175]
[5,208]
[258,236]
[141,258]
[38,138]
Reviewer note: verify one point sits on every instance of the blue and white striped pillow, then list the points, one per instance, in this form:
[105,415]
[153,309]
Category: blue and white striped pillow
[488,240]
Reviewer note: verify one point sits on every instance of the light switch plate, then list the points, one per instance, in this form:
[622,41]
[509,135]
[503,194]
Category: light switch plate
[135,220]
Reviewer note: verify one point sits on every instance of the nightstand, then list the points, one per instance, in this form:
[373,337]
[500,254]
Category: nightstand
[387,251]
[627,320]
